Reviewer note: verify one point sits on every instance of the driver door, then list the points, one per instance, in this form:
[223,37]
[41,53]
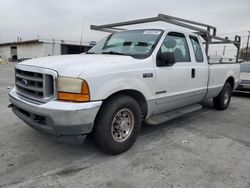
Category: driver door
[174,83]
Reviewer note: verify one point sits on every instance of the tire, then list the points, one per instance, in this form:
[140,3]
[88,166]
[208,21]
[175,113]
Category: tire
[222,101]
[117,125]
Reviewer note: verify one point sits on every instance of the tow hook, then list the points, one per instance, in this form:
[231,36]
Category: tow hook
[10,106]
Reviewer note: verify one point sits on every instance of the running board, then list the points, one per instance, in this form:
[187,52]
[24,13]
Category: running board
[167,116]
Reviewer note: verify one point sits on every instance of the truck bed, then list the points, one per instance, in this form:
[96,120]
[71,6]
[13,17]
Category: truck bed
[218,73]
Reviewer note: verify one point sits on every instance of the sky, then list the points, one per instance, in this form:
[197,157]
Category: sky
[68,19]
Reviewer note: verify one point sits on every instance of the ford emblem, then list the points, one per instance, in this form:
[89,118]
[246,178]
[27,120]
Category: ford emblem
[24,82]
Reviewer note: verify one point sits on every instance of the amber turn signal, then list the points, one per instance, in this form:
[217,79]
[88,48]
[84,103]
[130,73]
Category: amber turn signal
[84,96]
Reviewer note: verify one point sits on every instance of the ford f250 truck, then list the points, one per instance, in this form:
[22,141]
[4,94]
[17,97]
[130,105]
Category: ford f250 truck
[130,76]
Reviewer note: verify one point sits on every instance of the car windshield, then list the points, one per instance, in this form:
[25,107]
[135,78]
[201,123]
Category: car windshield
[135,43]
[245,67]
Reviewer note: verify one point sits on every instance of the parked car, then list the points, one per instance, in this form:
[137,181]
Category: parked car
[244,84]
[130,76]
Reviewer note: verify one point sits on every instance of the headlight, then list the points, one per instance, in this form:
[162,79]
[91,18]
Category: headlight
[72,89]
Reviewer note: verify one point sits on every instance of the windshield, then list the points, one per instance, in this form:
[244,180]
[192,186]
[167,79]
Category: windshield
[135,43]
[245,67]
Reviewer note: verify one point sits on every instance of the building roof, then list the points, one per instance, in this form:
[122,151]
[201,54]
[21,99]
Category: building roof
[21,42]
[35,41]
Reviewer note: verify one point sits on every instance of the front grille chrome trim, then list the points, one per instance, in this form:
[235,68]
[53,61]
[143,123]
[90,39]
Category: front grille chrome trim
[36,83]
[29,78]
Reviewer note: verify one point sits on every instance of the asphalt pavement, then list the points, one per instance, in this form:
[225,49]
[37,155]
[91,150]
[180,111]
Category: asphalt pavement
[207,148]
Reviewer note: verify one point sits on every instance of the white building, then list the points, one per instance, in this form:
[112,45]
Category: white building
[22,50]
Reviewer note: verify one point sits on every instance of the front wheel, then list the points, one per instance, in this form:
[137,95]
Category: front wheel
[222,101]
[117,124]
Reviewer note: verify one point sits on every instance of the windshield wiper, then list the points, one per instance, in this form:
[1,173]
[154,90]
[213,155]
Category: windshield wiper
[114,53]
[90,53]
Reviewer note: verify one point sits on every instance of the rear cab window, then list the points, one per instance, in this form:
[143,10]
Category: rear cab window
[197,49]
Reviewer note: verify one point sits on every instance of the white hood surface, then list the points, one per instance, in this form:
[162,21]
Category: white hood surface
[75,65]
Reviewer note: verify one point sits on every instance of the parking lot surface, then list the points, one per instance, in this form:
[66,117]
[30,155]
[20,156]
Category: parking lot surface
[207,148]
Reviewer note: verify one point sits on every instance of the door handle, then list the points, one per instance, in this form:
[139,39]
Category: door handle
[193,73]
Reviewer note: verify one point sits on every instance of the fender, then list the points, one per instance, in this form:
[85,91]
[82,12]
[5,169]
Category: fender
[103,88]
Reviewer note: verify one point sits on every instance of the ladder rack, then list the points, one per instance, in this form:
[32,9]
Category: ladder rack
[207,32]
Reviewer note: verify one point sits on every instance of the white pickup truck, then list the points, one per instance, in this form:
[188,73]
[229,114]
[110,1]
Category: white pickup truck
[130,76]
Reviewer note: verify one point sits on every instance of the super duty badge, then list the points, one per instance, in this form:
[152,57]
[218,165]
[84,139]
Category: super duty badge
[147,75]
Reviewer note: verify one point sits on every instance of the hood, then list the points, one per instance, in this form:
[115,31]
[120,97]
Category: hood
[75,65]
[245,76]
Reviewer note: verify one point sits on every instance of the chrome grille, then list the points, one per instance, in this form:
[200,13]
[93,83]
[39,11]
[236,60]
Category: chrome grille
[35,85]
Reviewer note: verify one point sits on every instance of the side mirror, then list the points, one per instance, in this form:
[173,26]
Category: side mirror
[165,59]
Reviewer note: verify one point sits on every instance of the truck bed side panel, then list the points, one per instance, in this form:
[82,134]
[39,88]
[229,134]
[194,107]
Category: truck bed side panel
[219,73]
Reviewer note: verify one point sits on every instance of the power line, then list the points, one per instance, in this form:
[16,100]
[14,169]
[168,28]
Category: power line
[235,32]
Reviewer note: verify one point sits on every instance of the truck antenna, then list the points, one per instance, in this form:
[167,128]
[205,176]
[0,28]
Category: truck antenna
[83,25]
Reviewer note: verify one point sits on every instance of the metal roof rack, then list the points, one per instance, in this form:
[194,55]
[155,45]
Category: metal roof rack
[207,32]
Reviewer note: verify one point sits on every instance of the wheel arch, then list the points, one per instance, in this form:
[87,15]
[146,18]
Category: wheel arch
[137,95]
[230,80]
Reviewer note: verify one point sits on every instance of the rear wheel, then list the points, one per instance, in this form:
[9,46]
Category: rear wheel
[118,124]
[222,101]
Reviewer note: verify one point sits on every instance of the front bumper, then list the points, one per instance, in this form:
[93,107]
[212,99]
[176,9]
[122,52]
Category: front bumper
[55,117]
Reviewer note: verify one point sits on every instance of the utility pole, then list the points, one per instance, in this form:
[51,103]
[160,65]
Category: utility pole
[53,46]
[247,45]
[224,50]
